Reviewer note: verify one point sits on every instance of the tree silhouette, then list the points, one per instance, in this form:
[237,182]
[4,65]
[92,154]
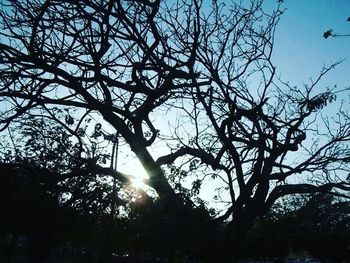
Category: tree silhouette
[190,88]
[53,192]
[316,223]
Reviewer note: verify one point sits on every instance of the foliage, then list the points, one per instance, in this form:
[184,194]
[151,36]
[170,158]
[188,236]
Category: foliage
[317,224]
[53,198]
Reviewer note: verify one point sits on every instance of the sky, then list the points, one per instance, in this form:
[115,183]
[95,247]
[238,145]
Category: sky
[300,49]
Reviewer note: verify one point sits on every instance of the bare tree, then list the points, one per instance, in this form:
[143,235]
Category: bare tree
[207,69]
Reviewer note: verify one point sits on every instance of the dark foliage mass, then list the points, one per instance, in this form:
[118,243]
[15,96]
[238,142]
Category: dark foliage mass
[189,89]
[316,224]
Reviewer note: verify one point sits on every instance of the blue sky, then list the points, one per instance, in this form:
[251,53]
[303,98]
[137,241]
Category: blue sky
[300,49]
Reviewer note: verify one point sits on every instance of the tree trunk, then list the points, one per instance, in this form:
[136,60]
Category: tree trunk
[226,246]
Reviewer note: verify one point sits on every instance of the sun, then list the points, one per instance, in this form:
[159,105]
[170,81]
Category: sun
[137,174]
[138,183]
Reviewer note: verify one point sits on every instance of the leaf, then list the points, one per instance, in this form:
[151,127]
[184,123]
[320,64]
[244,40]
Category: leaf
[69,120]
[81,132]
[147,134]
[193,165]
[98,127]
[319,101]
[214,176]
[328,33]
[97,132]
[196,186]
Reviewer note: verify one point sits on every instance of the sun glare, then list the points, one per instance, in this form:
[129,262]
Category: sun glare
[138,175]
[138,183]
